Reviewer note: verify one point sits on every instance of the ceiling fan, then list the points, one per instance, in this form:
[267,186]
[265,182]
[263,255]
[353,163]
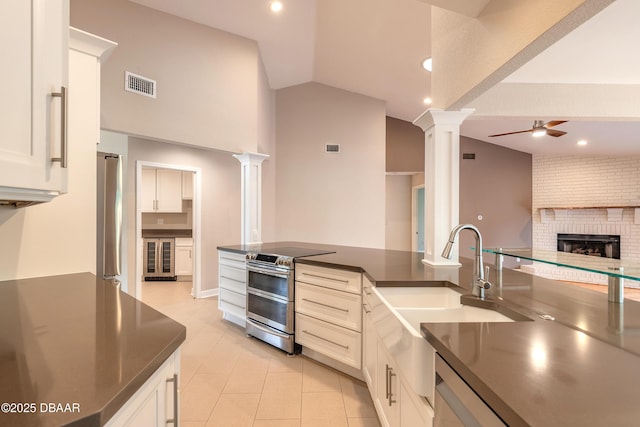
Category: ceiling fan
[540,129]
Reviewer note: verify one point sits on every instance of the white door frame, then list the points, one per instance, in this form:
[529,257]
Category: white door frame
[414,219]
[196,221]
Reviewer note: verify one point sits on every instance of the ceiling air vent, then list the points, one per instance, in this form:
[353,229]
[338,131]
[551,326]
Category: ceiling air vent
[332,148]
[140,85]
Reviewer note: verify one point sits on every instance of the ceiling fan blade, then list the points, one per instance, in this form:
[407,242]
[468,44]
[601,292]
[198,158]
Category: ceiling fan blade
[512,133]
[556,133]
[553,123]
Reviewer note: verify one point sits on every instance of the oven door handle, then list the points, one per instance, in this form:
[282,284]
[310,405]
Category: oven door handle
[268,330]
[254,269]
[268,295]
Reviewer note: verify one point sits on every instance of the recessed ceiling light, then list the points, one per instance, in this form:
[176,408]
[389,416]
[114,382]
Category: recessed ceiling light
[426,64]
[427,101]
[582,142]
[275,6]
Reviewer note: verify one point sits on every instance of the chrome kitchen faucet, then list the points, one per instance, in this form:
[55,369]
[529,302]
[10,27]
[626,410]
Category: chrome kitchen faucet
[480,277]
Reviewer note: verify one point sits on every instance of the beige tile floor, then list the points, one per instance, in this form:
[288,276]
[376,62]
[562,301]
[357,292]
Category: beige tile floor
[228,379]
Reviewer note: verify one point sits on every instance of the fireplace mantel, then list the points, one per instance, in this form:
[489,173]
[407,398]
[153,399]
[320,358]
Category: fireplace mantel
[614,213]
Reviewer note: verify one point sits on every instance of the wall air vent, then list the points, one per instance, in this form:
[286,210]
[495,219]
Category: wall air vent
[332,148]
[468,156]
[140,85]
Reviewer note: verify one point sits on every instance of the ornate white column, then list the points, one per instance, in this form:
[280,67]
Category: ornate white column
[441,180]
[251,196]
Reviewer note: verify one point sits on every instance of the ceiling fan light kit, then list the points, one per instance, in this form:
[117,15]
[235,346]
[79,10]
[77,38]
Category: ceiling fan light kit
[539,128]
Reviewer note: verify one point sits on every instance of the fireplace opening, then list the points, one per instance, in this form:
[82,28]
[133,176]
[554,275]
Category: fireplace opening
[599,245]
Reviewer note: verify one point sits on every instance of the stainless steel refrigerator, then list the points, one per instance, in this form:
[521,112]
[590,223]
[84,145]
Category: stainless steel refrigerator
[109,217]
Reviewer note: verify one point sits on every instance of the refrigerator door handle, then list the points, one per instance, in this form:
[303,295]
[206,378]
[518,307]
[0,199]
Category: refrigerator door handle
[113,216]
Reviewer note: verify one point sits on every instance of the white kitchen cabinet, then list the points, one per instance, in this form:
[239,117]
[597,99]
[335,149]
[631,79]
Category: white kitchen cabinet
[156,403]
[184,256]
[387,395]
[187,185]
[396,403]
[232,284]
[34,48]
[369,337]
[329,313]
[161,190]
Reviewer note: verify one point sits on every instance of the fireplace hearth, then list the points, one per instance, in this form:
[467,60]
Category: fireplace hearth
[598,245]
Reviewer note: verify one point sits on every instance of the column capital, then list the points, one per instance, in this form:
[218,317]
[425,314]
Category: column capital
[436,116]
[247,157]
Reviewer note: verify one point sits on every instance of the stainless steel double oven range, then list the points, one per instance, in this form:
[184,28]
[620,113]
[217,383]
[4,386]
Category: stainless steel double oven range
[271,295]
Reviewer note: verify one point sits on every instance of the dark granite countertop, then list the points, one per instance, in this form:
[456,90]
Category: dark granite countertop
[583,368]
[76,339]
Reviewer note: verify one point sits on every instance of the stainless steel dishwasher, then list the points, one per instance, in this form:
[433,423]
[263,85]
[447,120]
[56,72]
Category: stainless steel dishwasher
[456,404]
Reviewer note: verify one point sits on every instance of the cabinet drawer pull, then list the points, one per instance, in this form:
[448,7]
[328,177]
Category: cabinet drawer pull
[325,305]
[230,278]
[63,126]
[346,347]
[174,380]
[326,278]
[364,307]
[366,290]
[230,303]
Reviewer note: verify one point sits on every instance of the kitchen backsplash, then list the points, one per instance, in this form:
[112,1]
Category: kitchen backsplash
[181,220]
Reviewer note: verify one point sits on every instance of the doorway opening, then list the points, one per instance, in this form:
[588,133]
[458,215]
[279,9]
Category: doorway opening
[417,219]
[168,208]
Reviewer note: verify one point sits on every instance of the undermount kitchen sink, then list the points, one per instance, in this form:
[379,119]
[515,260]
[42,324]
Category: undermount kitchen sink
[399,317]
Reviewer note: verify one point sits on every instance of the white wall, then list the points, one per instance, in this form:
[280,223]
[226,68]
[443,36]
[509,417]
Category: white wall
[398,212]
[207,85]
[327,197]
[59,237]
[580,181]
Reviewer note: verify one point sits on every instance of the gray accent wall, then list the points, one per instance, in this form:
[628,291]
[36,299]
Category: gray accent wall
[497,185]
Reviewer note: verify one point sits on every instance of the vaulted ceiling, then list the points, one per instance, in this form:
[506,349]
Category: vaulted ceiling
[375,48]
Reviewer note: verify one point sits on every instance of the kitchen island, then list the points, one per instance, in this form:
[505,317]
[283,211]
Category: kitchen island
[581,368]
[75,350]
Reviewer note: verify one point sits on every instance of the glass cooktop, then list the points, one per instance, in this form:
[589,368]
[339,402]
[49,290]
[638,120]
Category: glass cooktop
[296,252]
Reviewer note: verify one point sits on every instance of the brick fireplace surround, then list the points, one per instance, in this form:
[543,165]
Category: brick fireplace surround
[600,195]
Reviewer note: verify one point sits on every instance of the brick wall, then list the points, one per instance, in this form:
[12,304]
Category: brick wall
[576,181]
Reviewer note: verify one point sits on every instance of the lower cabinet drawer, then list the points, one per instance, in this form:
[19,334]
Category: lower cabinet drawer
[232,302]
[341,344]
[233,279]
[341,308]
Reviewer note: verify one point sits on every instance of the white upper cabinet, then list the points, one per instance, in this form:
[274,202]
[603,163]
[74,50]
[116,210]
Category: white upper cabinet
[34,49]
[161,190]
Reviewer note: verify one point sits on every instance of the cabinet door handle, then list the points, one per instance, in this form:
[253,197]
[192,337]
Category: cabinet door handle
[386,396]
[325,277]
[325,305]
[63,126]
[391,375]
[174,380]
[346,347]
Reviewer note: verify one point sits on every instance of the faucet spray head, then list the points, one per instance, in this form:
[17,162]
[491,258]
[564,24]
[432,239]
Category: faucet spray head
[448,248]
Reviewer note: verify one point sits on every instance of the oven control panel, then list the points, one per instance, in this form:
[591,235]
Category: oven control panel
[270,259]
